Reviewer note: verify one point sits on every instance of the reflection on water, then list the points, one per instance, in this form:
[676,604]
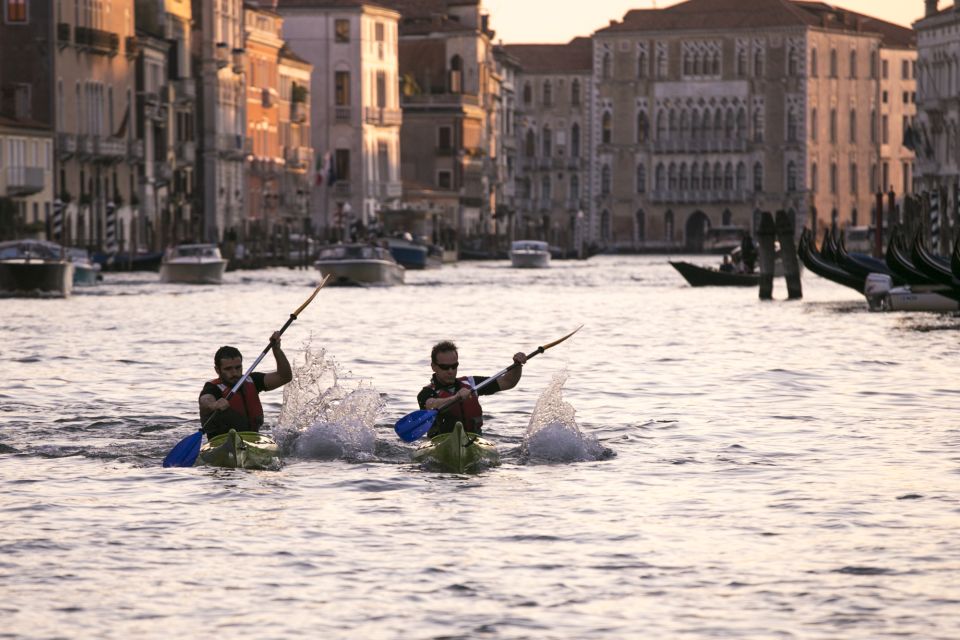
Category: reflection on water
[693,463]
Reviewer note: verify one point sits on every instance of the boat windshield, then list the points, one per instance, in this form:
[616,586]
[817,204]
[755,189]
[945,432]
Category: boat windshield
[529,245]
[32,249]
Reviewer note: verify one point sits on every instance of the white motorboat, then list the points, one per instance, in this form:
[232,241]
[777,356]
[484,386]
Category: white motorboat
[883,296]
[86,272]
[193,264]
[530,254]
[359,264]
[35,268]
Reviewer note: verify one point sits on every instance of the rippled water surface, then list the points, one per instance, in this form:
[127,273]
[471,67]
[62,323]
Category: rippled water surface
[693,463]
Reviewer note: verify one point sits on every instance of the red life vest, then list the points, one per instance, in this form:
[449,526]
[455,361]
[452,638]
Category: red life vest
[468,412]
[245,402]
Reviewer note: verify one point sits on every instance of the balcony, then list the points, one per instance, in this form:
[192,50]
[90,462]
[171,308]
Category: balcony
[84,145]
[66,145]
[186,152]
[383,117]
[297,157]
[700,145]
[109,148]
[63,33]
[97,41]
[703,196]
[24,181]
[342,114]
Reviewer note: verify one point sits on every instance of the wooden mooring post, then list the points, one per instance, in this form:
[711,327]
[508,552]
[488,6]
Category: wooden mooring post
[786,230]
[766,235]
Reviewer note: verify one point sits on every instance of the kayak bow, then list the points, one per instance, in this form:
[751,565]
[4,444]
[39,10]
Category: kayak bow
[458,451]
[240,450]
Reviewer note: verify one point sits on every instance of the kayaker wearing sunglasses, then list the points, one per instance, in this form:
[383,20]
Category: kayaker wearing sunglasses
[445,384]
[243,411]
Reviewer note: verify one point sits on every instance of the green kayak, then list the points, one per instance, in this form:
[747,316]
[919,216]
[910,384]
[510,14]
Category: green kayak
[240,450]
[458,451]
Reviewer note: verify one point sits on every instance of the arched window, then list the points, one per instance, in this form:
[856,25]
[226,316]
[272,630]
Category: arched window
[742,124]
[715,64]
[607,128]
[672,177]
[718,123]
[575,140]
[853,63]
[660,178]
[673,124]
[791,177]
[661,125]
[814,124]
[697,65]
[728,177]
[833,63]
[742,63]
[684,124]
[546,188]
[527,93]
[707,181]
[695,177]
[758,177]
[687,63]
[456,74]
[547,93]
[574,189]
[605,180]
[641,178]
[833,125]
[814,63]
[793,62]
[547,141]
[834,178]
[853,125]
[642,64]
[530,145]
[641,219]
[643,127]
[684,177]
[741,177]
[729,125]
[717,176]
[726,218]
[605,232]
[758,63]
[814,177]
[695,124]
[662,64]
[607,64]
[758,125]
[873,126]
[575,92]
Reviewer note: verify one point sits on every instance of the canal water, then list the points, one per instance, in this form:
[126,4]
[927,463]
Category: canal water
[693,463]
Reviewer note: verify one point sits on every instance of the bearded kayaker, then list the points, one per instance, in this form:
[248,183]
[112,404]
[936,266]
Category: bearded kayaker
[444,360]
[243,411]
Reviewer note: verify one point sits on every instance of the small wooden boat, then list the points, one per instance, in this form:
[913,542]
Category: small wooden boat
[699,276]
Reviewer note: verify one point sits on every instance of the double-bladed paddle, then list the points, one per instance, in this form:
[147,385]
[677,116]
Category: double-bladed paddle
[414,425]
[185,452]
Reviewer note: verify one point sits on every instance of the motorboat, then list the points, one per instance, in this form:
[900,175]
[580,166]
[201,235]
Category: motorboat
[193,264]
[86,272]
[883,296]
[359,265]
[35,268]
[529,254]
[411,254]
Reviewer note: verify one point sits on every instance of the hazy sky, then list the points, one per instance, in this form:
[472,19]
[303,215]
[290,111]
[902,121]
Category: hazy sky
[560,20]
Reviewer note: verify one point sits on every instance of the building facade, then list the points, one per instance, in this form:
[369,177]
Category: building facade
[711,110]
[295,140]
[355,109]
[553,115]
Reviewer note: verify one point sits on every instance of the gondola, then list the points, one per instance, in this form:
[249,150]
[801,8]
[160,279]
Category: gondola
[699,276]
[861,265]
[812,260]
[930,265]
[901,265]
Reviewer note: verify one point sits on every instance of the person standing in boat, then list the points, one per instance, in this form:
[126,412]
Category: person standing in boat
[243,410]
[444,360]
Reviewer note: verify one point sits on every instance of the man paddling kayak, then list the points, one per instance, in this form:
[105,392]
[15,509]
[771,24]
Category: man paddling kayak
[444,360]
[243,410]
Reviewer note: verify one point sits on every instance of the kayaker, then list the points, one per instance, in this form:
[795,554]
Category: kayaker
[444,360]
[243,411]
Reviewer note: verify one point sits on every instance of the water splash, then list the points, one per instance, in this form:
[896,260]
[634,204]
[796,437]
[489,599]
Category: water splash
[553,434]
[322,418]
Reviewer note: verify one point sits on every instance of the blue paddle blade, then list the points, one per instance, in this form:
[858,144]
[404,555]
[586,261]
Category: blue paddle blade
[414,425]
[185,452]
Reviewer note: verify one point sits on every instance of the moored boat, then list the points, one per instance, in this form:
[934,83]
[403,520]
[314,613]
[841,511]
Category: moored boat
[458,451]
[358,265]
[699,276]
[193,264]
[240,450]
[35,268]
[530,254]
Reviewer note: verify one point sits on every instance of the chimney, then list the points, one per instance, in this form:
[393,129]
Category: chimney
[931,7]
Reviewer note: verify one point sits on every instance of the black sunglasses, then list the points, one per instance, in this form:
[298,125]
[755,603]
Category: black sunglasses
[447,367]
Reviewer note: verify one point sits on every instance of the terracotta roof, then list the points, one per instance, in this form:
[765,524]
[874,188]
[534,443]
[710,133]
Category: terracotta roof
[574,56]
[758,14]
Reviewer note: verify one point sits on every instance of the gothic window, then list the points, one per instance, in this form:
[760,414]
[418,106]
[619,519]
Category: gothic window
[575,92]
[741,176]
[642,64]
[814,63]
[684,177]
[607,63]
[728,177]
[530,145]
[791,177]
[695,177]
[853,125]
[527,93]
[742,63]
[547,93]
[661,125]
[605,180]
[641,178]
[660,177]
[758,177]
[607,128]
[791,125]
[641,226]
[717,176]
[643,127]
[546,141]
[575,141]
[672,177]
[742,124]
[758,124]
